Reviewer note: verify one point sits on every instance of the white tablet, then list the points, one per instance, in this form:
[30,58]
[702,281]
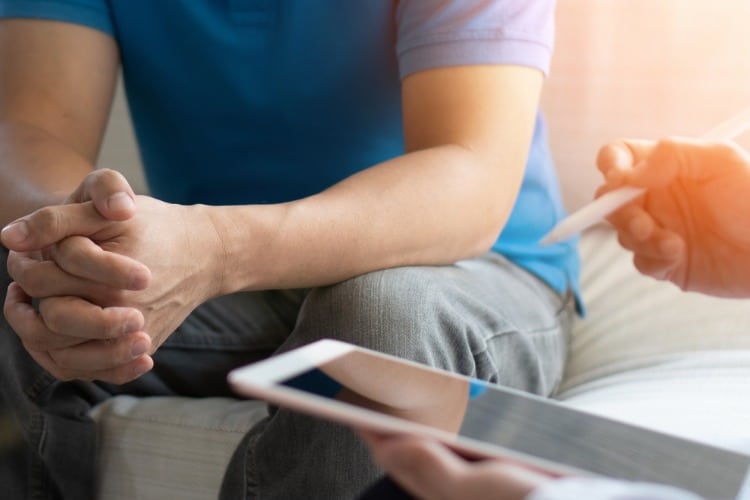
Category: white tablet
[365,389]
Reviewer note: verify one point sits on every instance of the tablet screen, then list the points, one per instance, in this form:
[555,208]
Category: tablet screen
[485,414]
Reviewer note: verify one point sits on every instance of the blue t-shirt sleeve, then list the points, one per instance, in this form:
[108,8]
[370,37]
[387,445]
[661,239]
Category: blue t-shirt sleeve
[92,13]
[437,33]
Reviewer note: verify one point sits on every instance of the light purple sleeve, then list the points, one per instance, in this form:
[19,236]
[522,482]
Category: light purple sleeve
[437,33]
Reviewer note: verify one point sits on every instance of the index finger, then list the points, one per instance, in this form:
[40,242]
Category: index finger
[80,256]
[622,155]
[49,225]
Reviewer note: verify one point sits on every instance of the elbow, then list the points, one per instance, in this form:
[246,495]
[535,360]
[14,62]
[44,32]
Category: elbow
[492,221]
[485,237]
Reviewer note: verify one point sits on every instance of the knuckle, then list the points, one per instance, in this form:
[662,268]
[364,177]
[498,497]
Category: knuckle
[60,373]
[29,342]
[667,146]
[70,253]
[61,359]
[32,341]
[66,368]
[29,337]
[47,220]
[13,266]
[114,296]
[102,296]
[64,249]
[52,315]
[33,282]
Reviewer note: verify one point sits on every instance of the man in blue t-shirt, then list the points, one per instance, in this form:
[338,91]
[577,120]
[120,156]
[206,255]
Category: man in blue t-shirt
[369,171]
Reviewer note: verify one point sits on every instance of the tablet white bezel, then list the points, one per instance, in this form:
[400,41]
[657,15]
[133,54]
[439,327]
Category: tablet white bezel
[263,379]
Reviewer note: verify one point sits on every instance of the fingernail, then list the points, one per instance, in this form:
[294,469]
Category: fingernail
[139,348]
[120,202]
[142,369]
[139,279]
[15,232]
[131,325]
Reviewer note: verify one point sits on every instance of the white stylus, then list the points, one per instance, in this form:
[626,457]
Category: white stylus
[599,208]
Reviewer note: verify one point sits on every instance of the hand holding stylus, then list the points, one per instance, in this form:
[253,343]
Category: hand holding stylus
[690,226]
[611,201]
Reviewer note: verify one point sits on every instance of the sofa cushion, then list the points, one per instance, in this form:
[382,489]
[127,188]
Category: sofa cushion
[168,447]
[634,321]
[699,395]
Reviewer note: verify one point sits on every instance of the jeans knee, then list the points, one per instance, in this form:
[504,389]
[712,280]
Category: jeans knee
[396,311]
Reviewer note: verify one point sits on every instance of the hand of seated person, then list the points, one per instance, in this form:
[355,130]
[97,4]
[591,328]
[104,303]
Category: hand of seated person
[691,225]
[110,291]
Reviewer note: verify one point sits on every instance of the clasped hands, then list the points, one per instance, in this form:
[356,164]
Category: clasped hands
[103,279]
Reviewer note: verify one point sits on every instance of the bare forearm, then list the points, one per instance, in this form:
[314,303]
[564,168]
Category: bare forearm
[56,85]
[37,169]
[434,206]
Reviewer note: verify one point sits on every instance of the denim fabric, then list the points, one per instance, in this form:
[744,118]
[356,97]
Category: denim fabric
[385,489]
[484,317]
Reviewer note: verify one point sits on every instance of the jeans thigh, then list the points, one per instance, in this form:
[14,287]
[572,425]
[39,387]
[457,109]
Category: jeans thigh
[525,344]
[484,317]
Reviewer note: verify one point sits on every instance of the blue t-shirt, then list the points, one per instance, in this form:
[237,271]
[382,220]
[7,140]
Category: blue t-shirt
[263,101]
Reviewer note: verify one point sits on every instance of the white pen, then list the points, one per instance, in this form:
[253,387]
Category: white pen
[604,205]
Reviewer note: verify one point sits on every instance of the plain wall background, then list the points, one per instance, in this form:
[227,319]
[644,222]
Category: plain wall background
[641,68]
[119,150]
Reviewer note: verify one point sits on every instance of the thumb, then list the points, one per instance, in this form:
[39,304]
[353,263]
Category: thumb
[110,193]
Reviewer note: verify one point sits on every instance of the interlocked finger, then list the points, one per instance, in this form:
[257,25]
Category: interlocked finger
[28,324]
[75,317]
[80,256]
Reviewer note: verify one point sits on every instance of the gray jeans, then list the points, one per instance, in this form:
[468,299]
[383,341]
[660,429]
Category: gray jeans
[483,317]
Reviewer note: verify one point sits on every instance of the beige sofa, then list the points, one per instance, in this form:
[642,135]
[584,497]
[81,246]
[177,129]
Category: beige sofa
[645,353]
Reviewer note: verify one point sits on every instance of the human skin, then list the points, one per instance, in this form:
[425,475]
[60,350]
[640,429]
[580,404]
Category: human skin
[431,471]
[691,225]
[467,132]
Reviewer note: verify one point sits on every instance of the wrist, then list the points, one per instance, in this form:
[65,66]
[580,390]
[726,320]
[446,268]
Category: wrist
[212,253]
[241,253]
